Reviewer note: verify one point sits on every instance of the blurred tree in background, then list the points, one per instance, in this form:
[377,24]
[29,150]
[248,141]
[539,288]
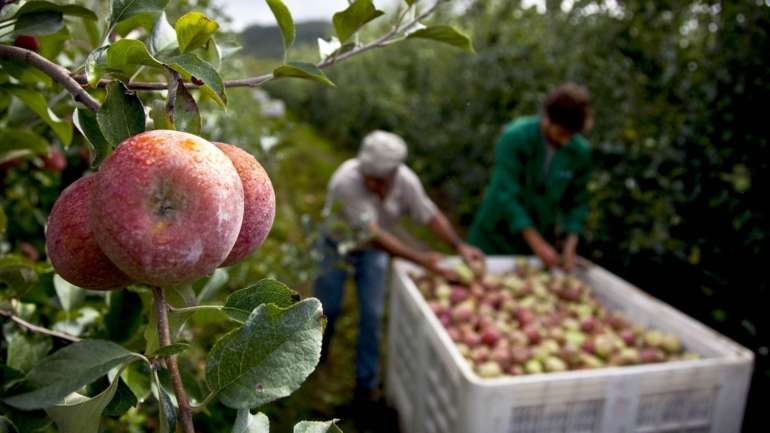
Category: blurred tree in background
[680,143]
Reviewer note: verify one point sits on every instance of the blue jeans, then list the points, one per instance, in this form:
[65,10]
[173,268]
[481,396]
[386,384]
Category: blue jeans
[370,268]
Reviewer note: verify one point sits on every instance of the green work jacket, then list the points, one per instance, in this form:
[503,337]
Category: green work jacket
[521,195]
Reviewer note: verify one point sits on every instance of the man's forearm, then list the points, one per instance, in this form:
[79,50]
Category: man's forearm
[472,256]
[532,237]
[441,226]
[395,247]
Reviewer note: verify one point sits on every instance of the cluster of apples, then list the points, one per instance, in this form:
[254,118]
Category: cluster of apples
[531,321]
[164,209]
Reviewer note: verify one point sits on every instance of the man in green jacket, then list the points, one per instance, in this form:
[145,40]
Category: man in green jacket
[538,192]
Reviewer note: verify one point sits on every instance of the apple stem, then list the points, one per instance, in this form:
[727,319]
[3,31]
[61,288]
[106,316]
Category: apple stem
[164,333]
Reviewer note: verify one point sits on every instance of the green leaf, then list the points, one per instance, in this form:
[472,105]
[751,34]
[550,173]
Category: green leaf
[124,316]
[137,378]
[52,45]
[126,55]
[123,400]
[227,49]
[411,2]
[68,370]
[80,414]
[96,64]
[17,143]
[144,21]
[37,103]
[305,71]
[44,6]
[25,351]
[245,422]
[173,349]
[70,296]
[268,357]
[5,100]
[349,21]
[121,115]
[77,11]
[187,117]
[213,285]
[17,275]
[44,18]
[124,9]
[7,426]
[78,321]
[212,54]
[317,427]
[85,121]
[285,22]
[3,222]
[193,30]
[189,66]
[29,422]
[162,37]
[92,30]
[121,59]
[9,377]
[7,12]
[26,74]
[446,34]
[215,52]
[39,23]
[241,303]
[166,406]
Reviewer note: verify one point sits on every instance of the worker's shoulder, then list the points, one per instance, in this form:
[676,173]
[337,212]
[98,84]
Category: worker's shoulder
[523,126]
[346,175]
[406,173]
[407,179]
[520,135]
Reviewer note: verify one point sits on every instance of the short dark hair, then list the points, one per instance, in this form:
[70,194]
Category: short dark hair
[568,106]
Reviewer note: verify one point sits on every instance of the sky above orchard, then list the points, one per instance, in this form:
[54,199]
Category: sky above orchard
[247,12]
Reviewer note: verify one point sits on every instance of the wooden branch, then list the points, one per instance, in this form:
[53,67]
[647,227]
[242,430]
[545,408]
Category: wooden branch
[174,80]
[38,329]
[56,72]
[164,335]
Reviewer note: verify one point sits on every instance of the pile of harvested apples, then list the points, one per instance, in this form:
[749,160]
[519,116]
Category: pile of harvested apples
[531,321]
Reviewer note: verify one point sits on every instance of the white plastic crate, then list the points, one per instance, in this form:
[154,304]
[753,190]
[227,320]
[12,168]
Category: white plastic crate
[435,390]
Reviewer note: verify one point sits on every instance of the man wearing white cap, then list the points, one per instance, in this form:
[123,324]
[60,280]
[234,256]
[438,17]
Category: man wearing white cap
[368,195]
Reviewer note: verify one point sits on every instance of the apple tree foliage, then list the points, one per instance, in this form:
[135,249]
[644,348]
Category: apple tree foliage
[87,76]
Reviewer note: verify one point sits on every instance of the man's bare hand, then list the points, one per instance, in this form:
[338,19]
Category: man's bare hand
[431,261]
[473,257]
[541,248]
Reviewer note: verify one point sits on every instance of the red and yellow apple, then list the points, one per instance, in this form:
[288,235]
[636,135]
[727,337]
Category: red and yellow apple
[71,245]
[258,204]
[167,207]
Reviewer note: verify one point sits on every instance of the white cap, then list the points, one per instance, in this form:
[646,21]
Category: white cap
[381,153]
